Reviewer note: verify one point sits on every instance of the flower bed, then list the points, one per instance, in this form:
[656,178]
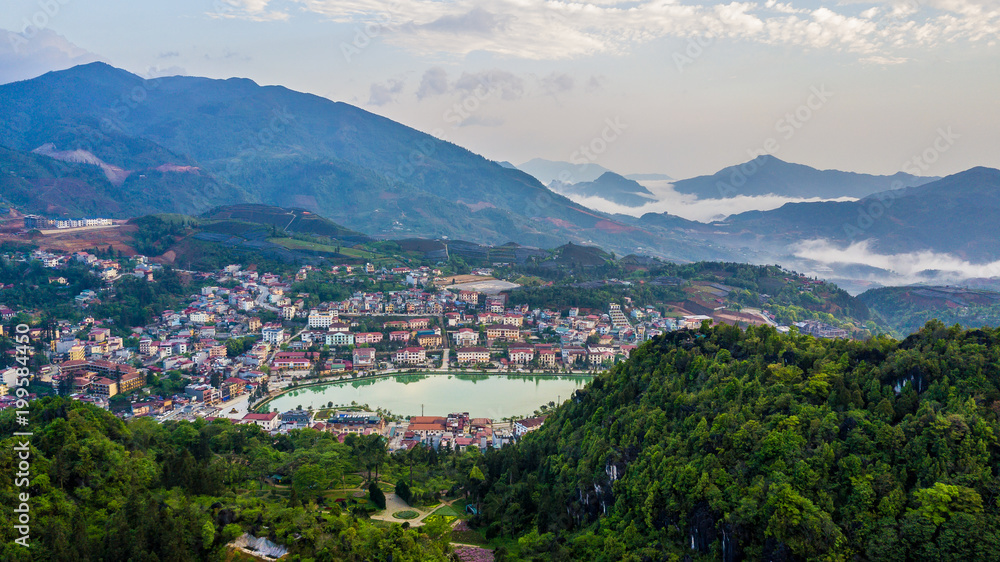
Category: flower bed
[473,554]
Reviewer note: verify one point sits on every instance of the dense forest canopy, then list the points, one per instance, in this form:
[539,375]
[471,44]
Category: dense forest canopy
[724,444]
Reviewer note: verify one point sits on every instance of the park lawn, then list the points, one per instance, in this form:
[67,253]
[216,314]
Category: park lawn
[447,511]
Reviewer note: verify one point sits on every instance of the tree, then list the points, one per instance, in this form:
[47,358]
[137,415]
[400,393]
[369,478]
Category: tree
[403,490]
[207,535]
[309,481]
[376,496]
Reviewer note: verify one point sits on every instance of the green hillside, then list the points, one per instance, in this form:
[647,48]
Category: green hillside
[729,445]
[905,309]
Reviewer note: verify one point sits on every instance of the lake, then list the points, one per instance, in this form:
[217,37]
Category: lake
[486,396]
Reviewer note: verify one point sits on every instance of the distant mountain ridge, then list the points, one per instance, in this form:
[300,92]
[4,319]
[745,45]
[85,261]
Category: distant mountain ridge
[548,171]
[767,175]
[609,186]
[957,214]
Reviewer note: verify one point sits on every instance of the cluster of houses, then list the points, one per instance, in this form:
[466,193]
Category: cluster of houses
[42,223]
[456,431]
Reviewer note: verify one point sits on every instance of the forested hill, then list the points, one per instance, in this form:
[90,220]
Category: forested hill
[105,490]
[723,444]
[905,309]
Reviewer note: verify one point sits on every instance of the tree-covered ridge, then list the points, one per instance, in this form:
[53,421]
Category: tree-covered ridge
[724,444]
[905,309]
[102,489]
[790,296]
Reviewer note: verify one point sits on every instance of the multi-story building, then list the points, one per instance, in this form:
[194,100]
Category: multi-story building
[528,425]
[400,336]
[367,337]
[339,339]
[547,357]
[103,386]
[273,334]
[472,355]
[503,332]
[363,357]
[465,337]
[318,319]
[410,355]
[521,355]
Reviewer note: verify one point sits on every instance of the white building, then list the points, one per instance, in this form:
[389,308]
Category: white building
[273,334]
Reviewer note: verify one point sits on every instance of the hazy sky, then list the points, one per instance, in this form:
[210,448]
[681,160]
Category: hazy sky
[680,88]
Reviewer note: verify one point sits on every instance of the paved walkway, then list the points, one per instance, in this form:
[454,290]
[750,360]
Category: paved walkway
[394,503]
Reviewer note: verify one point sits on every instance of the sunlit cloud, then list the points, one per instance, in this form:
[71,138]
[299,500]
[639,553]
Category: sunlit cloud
[666,200]
[545,29]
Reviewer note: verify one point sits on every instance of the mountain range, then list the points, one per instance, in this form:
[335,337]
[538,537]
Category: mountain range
[97,140]
[957,215]
[186,144]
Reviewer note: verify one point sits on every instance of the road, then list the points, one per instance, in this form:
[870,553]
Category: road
[444,359]
[261,300]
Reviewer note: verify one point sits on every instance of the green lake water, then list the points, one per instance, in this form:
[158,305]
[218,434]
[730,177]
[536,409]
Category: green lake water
[487,396]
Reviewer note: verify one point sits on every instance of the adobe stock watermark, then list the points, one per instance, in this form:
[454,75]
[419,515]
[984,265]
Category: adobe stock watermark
[31,27]
[879,204]
[692,51]
[252,147]
[589,152]
[365,34]
[788,125]
[456,116]
[22,443]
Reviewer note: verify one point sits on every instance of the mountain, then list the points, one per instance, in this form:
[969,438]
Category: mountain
[768,175]
[547,171]
[507,165]
[188,144]
[957,214]
[611,187]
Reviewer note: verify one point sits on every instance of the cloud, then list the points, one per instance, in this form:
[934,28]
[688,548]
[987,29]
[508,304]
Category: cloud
[548,30]
[884,61]
[509,85]
[252,10]
[482,121]
[893,269]
[558,83]
[596,83]
[382,94]
[688,206]
[168,55]
[159,72]
[433,83]
[476,21]
[40,51]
